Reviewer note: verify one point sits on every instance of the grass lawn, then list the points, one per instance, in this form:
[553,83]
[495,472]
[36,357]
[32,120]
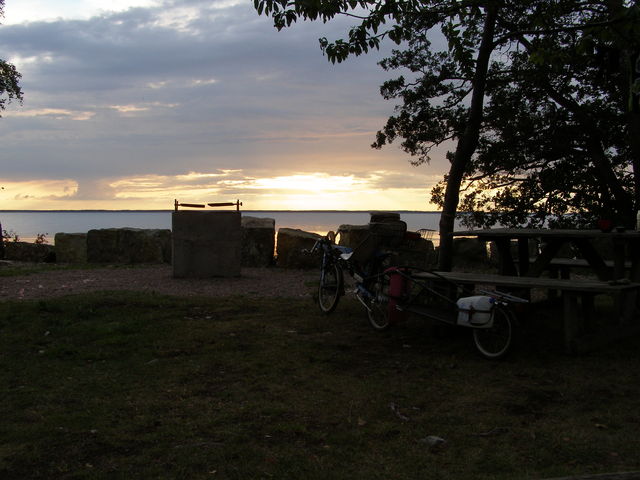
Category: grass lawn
[144,386]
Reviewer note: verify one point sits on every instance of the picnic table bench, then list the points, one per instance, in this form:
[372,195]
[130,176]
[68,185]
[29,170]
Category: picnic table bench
[577,301]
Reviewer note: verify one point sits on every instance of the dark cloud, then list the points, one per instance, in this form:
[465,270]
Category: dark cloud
[189,86]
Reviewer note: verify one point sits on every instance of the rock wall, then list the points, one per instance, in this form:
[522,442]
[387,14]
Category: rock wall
[129,245]
[29,252]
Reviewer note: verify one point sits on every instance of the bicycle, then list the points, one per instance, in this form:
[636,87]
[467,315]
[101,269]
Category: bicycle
[336,260]
[390,293]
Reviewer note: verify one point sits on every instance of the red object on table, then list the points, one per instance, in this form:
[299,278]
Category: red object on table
[605,225]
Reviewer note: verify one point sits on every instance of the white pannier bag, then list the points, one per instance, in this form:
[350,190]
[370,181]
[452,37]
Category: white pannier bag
[476,311]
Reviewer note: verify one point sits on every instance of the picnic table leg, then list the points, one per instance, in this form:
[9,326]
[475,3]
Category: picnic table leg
[571,320]
[619,249]
[523,256]
[506,266]
[588,311]
[628,307]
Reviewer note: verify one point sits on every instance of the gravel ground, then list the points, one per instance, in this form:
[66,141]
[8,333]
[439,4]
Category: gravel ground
[268,282]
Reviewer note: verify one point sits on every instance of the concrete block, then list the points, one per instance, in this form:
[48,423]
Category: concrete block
[128,245]
[71,247]
[352,235]
[291,242]
[258,241]
[29,252]
[390,233]
[206,244]
[383,217]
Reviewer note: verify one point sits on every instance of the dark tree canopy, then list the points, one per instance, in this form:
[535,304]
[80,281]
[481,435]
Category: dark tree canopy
[9,78]
[469,28]
[557,130]
[539,98]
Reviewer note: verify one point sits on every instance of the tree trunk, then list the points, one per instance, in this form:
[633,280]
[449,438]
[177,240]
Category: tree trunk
[468,141]
[633,122]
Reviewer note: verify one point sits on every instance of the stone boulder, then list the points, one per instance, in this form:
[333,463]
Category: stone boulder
[71,247]
[383,217]
[129,245]
[416,252]
[352,235]
[389,233]
[290,244]
[29,252]
[258,241]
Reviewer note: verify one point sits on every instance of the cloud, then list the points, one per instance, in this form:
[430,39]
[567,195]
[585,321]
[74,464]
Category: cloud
[173,87]
[38,190]
[56,113]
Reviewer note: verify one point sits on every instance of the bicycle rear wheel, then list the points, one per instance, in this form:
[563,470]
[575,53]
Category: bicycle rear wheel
[497,341]
[330,288]
[378,305]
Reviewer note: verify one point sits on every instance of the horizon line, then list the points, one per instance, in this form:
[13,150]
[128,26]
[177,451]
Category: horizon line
[200,210]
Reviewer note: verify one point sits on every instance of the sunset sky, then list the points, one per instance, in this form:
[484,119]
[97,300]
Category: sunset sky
[129,104]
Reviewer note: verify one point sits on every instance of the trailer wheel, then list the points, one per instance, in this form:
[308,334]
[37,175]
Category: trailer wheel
[496,342]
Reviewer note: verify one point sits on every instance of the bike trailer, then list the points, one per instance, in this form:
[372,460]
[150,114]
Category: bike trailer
[476,311]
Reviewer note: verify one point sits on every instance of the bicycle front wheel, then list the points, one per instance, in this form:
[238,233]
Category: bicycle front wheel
[497,341]
[330,288]
[378,305]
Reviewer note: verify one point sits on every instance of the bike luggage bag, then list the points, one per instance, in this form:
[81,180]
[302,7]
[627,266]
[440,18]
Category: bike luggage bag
[476,311]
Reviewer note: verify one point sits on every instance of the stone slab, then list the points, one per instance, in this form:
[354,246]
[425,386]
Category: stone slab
[128,245]
[206,244]
[258,241]
[71,247]
[29,252]
[291,243]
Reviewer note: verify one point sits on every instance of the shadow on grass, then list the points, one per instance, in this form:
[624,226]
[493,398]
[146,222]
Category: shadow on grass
[144,386]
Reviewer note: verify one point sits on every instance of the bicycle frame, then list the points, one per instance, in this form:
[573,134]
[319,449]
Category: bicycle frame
[341,257]
[407,298]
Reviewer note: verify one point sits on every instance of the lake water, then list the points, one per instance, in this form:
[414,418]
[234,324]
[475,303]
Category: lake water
[28,224]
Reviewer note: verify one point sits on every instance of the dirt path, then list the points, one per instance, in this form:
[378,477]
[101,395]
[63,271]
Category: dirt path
[156,278]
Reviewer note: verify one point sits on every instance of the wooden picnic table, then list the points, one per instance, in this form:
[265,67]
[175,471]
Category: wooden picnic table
[625,246]
[623,271]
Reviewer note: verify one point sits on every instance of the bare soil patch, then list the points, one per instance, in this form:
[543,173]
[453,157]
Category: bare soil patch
[265,282]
